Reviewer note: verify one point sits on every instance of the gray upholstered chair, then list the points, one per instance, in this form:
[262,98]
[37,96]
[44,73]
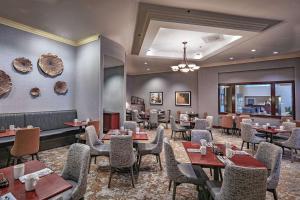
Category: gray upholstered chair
[247,120]
[240,183]
[122,155]
[179,173]
[153,120]
[176,128]
[271,156]
[152,148]
[183,119]
[201,124]
[166,118]
[75,171]
[197,135]
[288,126]
[137,118]
[96,146]
[293,143]
[248,135]
[132,125]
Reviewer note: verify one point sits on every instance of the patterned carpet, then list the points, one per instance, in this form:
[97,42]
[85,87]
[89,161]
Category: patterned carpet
[153,183]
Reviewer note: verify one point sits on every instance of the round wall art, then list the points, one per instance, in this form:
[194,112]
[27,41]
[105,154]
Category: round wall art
[5,83]
[22,65]
[51,64]
[60,87]
[35,92]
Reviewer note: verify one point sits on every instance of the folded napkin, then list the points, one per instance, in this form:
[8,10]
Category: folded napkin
[237,152]
[8,196]
[193,150]
[40,173]
[225,160]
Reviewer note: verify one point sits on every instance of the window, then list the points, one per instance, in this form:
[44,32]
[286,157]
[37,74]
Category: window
[262,99]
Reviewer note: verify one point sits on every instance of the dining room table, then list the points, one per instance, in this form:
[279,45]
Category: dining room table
[270,131]
[79,124]
[142,135]
[48,186]
[211,160]
[7,133]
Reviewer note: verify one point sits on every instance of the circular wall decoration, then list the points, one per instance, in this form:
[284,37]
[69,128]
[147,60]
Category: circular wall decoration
[51,64]
[35,92]
[22,65]
[60,87]
[5,83]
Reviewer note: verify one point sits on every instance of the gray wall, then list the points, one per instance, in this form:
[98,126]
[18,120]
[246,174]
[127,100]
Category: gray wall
[168,83]
[113,90]
[88,80]
[208,79]
[15,43]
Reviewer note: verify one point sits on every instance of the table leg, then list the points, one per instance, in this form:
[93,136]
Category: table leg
[216,174]
[271,138]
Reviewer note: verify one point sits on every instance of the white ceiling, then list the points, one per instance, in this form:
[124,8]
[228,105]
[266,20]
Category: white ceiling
[116,20]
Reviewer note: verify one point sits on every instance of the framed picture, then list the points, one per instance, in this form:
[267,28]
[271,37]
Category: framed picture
[183,98]
[156,98]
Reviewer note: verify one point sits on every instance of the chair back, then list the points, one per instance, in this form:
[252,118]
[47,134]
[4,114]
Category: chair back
[242,118]
[132,125]
[247,132]
[201,124]
[210,120]
[27,142]
[243,183]
[227,121]
[167,115]
[135,115]
[271,156]
[153,120]
[121,152]
[158,140]
[91,136]
[76,168]
[246,120]
[96,124]
[171,163]
[294,139]
[183,118]
[289,126]
[173,123]
[197,135]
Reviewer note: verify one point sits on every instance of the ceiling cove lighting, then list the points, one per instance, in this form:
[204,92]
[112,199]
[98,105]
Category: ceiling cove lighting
[184,66]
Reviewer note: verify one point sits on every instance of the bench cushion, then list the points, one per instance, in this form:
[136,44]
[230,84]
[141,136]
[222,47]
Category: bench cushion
[50,120]
[17,119]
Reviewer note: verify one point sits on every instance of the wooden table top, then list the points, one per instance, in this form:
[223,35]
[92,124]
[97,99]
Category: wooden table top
[211,160]
[273,131]
[76,124]
[47,187]
[8,133]
[135,136]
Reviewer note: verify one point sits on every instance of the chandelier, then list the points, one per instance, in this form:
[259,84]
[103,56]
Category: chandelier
[184,66]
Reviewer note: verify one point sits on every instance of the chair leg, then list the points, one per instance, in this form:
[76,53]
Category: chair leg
[158,156]
[132,178]
[95,161]
[8,160]
[242,145]
[37,156]
[211,135]
[274,193]
[174,190]
[221,176]
[110,176]
[210,170]
[90,164]
[32,157]
[170,184]
[139,163]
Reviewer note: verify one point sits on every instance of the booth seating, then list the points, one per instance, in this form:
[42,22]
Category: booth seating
[51,123]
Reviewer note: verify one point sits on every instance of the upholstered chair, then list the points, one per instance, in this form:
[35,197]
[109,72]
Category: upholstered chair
[121,158]
[131,125]
[152,148]
[95,144]
[96,124]
[293,143]
[179,173]
[27,142]
[288,126]
[227,123]
[246,120]
[240,119]
[184,120]
[137,118]
[248,135]
[75,171]
[210,120]
[166,118]
[153,120]
[201,124]
[240,183]
[176,128]
[271,156]
[197,135]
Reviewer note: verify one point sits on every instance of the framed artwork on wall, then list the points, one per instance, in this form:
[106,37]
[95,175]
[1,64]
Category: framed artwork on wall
[183,98]
[156,98]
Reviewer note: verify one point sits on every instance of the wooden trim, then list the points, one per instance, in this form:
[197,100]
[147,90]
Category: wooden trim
[51,36]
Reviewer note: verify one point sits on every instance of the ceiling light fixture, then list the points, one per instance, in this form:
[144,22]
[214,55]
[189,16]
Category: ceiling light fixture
[148,69]
[231,58]
[145,63]
[275,52]
[253,50]
[184,66]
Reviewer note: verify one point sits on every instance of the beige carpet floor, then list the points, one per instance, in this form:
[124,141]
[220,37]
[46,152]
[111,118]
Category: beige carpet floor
[152,183]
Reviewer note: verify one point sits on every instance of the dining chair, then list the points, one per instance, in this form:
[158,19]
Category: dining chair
[282,136]
[75,171]
[288,126]
[240,183]
[210,120]
[121,158]
[96,124]
[152,148]
[166,118]
[248,135]
[270,155]
[201,124]
[131,125]
[153,120]
[227,123]
[241,118]
[179,173]
[184,120]
[97,148]
[197,135]
[137,118]
[176,128]
[293,143]
[27,142]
